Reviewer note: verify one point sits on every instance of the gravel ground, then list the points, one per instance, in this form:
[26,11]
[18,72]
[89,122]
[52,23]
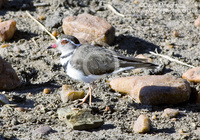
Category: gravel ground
[148,25]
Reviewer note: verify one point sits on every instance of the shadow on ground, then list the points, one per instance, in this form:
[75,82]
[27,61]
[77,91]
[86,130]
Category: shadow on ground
[135,45]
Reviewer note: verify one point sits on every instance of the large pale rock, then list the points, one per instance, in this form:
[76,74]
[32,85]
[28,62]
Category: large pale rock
[7,30]
[192,75]
[8,77]
[79,119]
[153,89]
[93,29]
[142,124]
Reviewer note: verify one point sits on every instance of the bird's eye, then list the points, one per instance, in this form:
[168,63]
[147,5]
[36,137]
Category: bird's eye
[63,42]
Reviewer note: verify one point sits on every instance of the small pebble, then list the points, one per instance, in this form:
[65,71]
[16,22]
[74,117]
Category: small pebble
[170,113]
[197,22]
[17,49]
[142,124]
[3,99]
[46,90]
[55,33]
[192,75]
[5,45]
[41,17]
[176,34]
[43,130]
[20,109]
[107,108]
[69,94]
[30,94]
[136,2]
[183,133]
[169,46]
[154,117]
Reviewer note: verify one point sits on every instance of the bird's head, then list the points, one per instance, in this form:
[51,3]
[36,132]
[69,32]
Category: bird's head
[66,43]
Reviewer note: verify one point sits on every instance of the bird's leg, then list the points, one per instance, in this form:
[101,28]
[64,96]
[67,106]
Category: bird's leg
[88,94]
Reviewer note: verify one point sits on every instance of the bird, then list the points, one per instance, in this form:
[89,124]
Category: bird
[87,63]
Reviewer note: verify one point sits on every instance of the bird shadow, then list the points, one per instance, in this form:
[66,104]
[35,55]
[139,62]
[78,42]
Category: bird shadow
[103,127]
[164,130]
[135,45]
[36,88]
[19,34]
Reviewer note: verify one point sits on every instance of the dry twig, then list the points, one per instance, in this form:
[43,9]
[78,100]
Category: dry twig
[114,10]
[171,59]
[41,25]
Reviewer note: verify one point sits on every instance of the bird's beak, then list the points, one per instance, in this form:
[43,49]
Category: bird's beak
[53,46]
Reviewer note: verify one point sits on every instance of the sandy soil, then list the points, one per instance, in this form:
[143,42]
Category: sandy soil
[147,26]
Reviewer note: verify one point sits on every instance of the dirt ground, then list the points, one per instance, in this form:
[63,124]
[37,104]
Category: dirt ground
[148,25]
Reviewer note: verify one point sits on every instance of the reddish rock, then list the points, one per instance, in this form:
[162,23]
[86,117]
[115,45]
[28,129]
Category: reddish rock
[192,75]
[93,29]
[7,30]
[153,89]
[8,77]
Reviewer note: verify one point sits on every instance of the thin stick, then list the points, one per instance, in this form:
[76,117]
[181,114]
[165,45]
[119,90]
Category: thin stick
[41,25]
[41,4]
[171,59]
[35,42]
[114,10]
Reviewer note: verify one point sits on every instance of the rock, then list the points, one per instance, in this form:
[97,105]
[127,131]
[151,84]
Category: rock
[153,89]
[69,94]
[46,90]
[2,2]
[79,119]
[197,22]
[142,124]
[170,113]
[192,75]
[7,30]
[8,77]
[44,130]
[3,99]
[20,109]
[5,45]
[54,21]
[93,29]
[176,34]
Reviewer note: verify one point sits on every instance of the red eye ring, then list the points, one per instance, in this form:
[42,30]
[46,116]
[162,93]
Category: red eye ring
[63,42]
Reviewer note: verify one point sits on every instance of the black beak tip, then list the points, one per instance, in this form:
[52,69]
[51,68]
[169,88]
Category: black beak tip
[49,47]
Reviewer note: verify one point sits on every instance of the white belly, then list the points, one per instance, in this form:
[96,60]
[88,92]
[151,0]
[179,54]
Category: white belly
[78,75]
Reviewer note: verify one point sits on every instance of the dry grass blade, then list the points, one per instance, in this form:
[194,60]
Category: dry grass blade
[171,59]
[114,10]
[41,25]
